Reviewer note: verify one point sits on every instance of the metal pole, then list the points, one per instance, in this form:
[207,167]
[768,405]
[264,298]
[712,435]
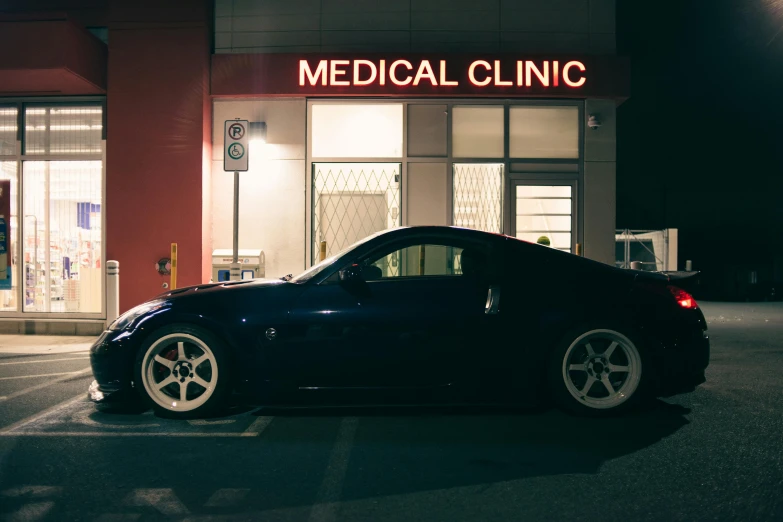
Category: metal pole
[666,249]
[112,291]
[234,269]
[627,263]
[173,266]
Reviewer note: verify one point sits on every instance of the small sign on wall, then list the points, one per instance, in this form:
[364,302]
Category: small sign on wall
[235,145]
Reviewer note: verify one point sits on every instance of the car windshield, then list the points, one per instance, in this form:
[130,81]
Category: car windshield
[326,263]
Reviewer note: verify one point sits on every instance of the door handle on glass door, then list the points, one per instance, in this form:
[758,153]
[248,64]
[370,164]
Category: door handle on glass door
[493,301]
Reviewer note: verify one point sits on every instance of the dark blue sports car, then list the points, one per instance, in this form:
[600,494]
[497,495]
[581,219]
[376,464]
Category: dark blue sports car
[432,314]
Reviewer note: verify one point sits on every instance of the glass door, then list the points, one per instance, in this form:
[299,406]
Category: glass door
[545,213]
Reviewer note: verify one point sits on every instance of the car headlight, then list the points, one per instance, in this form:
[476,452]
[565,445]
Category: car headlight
[131,315]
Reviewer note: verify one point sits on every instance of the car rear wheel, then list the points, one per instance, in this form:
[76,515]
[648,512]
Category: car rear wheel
[596,371]
[183,372]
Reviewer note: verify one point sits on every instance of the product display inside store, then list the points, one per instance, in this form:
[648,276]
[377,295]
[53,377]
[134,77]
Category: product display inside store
[62,241]
[9,289]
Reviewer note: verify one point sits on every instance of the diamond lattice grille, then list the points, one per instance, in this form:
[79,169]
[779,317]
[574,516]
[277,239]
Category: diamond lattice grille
[478,196]
[353,201]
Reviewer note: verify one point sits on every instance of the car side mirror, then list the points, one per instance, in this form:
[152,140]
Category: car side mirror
[351,274]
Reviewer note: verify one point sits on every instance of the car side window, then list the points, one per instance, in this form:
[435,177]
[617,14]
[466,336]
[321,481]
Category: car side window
[422,260]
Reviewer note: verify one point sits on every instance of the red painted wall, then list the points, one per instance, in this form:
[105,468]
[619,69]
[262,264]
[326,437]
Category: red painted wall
[59,57]
[158,134]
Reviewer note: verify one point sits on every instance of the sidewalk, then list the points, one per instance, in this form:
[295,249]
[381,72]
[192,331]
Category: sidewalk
[44,344]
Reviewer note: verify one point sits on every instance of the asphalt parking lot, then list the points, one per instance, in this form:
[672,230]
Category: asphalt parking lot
[715,454]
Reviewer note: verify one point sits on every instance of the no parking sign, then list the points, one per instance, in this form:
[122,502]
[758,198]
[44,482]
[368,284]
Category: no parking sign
[235,146]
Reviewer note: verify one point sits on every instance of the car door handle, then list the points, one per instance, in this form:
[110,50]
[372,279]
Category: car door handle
[493,301]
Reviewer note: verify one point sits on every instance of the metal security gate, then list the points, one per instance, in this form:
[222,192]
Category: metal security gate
[352,201]
[478,196]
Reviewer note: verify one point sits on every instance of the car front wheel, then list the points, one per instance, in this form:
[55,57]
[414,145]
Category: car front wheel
[183,372]
[596,371]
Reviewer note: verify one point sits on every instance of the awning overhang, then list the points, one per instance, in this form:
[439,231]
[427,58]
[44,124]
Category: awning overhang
[49,56]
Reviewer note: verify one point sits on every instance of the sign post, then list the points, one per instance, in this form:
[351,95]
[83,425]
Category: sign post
[235,158]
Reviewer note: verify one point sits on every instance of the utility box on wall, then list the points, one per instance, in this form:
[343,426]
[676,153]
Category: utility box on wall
[251,262]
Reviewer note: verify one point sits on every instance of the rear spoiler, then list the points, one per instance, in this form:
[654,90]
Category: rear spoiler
[681,275]
[687,280]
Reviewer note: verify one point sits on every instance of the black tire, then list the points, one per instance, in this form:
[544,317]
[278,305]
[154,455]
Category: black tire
[604,333]
[194,339]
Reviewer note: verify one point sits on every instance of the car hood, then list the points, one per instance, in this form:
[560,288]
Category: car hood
[226,286]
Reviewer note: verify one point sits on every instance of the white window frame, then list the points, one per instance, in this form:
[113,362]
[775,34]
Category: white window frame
[20,158]
[535,168]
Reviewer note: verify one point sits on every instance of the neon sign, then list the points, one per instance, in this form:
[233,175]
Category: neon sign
[480,73]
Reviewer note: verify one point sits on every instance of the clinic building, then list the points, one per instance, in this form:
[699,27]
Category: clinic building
[498,116]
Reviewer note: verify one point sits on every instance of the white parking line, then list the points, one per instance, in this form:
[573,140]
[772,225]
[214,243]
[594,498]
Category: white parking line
[36,376]
[44,350]
[46,384]
[8,429]
[36,510]
[32,491]
[114,434]
[325,507]
[31,512]
[257,427]
[17,429]
[162,499]
[207,422]
[45,361]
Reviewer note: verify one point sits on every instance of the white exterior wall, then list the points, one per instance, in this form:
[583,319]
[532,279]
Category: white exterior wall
[272,192]
[600,175]
[308,26]
[427,194]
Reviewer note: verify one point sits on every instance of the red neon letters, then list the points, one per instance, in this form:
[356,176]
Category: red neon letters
[480,73]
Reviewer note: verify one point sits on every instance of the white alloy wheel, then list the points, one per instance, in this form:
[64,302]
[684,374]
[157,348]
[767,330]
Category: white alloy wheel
[179,372]
[602,369]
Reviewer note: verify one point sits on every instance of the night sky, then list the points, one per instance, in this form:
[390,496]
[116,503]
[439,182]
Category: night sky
[700,140]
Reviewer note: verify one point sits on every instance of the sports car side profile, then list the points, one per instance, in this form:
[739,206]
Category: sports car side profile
[414,314]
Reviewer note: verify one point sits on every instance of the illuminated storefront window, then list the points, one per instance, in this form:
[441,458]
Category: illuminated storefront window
[9,278]
[496,166]
[55,242]
[353,197]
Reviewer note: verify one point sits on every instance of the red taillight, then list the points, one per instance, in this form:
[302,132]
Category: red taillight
[683,298]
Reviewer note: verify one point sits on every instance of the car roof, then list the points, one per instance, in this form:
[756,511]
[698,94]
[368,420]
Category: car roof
[440,230]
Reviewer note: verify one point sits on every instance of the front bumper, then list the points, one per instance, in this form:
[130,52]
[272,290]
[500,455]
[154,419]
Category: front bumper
[112,358]
[109,395]
[680,366]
